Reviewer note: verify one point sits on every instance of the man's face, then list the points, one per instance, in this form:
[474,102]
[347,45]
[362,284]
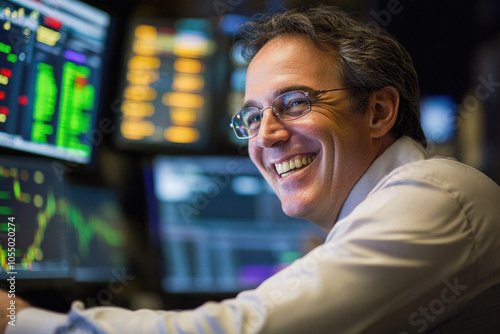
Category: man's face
[331,135]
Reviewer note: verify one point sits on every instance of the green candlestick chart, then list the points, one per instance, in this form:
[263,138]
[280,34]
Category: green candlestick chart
[51,223]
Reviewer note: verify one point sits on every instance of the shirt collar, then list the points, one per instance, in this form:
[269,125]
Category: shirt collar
[402,151]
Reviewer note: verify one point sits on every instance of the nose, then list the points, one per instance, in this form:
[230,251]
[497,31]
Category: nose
[272,130]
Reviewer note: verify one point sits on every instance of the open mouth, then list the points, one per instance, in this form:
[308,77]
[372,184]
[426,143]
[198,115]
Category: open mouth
[288,167]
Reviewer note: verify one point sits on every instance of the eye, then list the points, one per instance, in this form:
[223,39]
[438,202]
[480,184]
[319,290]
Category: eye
[252,118]
[294,104]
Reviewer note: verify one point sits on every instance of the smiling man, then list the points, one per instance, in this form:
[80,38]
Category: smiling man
[335,143]
[361,87]
[331,116]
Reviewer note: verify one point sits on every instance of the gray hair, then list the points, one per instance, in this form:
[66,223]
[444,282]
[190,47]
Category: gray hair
[369,59]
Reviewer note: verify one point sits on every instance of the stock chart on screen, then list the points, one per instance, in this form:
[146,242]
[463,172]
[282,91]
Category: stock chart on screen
[62,230]
[96,233]
[52,56]
[33,195]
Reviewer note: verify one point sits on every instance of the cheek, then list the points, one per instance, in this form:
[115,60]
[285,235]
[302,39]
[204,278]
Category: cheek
[254,153]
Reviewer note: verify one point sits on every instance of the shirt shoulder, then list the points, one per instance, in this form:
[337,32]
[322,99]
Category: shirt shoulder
[443,194]
[457,179]
[426,196]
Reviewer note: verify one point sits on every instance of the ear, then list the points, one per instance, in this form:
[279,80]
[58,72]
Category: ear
[383,109]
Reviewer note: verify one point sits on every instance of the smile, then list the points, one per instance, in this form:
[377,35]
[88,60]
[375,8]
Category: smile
[287,167]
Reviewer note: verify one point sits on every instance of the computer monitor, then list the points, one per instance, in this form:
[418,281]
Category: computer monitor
[52,229]
[167,99]
[218,225]
[238,70]
[33,226]
[52,59]
[96,233]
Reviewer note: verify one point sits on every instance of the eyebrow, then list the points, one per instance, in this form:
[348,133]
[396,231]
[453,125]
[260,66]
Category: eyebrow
[286,89]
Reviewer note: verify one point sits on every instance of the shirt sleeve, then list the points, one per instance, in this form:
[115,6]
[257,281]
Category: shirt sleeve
[36,321]
[230,316]
[402,262]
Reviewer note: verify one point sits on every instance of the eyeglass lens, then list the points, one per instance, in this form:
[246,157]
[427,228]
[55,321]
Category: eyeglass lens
[288,106]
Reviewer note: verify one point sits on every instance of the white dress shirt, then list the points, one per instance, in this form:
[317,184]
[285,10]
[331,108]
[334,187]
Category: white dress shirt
[416,240]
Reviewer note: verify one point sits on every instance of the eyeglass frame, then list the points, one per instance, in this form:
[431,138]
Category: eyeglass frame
[261,111]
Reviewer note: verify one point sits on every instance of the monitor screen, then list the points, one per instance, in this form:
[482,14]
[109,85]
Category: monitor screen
[438,115]
[219,226]
[236,92]
[52,229]
[96,233]
[52,56]
[167,99]
[33,225]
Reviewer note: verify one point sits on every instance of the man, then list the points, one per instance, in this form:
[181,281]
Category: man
[332,121]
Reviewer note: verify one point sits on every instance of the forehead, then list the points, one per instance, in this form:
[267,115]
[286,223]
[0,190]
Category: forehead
[289,61]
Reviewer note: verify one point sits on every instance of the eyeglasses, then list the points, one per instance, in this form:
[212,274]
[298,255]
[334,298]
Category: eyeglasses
[287,107]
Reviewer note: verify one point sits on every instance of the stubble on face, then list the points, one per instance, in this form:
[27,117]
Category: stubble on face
[334,136]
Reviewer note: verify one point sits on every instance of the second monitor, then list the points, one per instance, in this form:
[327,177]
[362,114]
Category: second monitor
[219,226]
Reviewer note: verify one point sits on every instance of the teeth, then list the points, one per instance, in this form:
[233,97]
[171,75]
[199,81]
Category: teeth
[286,167]
[293,164]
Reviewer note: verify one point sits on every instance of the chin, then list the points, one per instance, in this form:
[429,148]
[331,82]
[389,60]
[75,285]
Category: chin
[294,209]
